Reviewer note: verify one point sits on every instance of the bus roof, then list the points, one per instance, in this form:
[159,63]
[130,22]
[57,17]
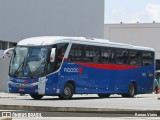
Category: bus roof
[49,40]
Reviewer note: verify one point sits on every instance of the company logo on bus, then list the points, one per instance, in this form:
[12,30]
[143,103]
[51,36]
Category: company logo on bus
[71,70]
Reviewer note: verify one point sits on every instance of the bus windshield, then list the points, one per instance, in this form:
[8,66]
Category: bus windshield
[28,61]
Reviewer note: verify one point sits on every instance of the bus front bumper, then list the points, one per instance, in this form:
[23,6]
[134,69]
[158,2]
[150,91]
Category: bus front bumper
[33,88]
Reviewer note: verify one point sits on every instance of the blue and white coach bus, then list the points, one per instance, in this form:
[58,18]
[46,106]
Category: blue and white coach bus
[63,66]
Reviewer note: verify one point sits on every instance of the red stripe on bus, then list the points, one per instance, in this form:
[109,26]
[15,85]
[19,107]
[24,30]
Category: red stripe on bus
[108,66]
[80,70]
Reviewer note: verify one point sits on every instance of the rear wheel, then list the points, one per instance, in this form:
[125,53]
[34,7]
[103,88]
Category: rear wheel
[131,91]
[103,95]
[68,92]
[36,97]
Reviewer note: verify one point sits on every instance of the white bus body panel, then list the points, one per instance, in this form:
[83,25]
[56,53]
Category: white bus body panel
[50,40]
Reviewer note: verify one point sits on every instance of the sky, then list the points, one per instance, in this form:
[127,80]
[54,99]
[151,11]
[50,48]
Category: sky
[132,11]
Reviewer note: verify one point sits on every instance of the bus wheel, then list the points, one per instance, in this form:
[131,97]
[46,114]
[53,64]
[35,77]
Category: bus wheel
[36,97]
[103,95]
[68,92]
[131,91]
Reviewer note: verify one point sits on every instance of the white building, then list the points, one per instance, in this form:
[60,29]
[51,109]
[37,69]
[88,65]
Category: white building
[21,19]
[140,34]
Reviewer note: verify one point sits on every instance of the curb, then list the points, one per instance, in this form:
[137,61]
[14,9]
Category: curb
[77,109]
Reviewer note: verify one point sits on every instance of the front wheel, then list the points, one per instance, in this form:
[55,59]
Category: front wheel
[68,92]
[36,97]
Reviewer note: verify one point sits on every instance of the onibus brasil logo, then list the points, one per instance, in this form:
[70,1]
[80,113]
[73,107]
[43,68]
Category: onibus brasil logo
[21,114]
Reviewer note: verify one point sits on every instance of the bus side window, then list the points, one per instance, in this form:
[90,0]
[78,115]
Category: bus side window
[147,58]
[119,56]
[139,58]
[134,57]
[60,51]
[122,56]
[76,53]
[91,54]
[96,58]
[125,57]
[112,59]
[106,55]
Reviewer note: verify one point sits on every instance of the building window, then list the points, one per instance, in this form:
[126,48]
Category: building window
[3,45]
[0,46]
[12,44]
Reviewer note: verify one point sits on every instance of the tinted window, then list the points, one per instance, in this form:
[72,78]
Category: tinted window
[122,56]
[75,54]
[147,58]
[107,55]
[60,51]
[92,54]
[134,57]
[84,53]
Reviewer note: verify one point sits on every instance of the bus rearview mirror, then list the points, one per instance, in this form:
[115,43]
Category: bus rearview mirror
[7,53]
[53,54]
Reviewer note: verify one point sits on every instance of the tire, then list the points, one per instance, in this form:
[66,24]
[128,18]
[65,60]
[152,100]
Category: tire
[36,97]
[67,92]
[131,91]
[103,95]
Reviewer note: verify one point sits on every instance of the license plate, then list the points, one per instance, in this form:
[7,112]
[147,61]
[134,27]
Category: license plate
[21,89]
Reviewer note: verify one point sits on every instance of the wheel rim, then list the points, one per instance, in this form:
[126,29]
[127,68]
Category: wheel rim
[67,91]
[131,90]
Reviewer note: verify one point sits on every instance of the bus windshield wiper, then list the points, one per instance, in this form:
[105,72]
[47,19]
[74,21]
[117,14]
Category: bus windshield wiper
[20,66]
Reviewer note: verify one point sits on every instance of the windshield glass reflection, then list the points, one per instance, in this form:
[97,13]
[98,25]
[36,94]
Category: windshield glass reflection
[28,61]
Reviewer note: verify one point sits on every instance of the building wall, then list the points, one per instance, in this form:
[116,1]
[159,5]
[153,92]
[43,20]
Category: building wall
[21,19]
[27,18]
[3,75]
[146,35]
